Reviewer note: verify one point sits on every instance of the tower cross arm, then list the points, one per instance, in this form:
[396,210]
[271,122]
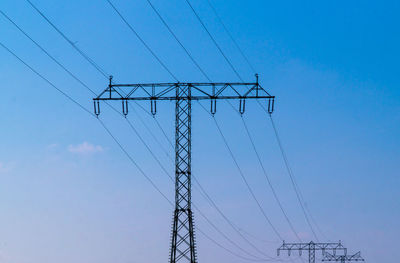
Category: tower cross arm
[199,91]
[328,246]
[342,258]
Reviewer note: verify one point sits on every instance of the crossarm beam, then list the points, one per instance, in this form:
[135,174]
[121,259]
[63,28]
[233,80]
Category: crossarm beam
[199,91]
[342,258]
[331,246]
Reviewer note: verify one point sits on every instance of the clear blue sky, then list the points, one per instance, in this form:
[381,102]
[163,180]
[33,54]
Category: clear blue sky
[68,193]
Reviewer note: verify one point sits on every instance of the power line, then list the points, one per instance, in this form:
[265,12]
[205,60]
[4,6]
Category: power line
[299,195]
[315,222]
[226,249]
[46,80]
[47,53]
[203,72]
[289,170]
[268,179]
[127,120]
[230,36]
[253,69]
[115,140]
[91,114]
[170,177]
[243,177]
[214,41]
[227,238]
[208,198]
[98,68]
[87,87]
[177,40]
[141,40]
[86,57]
[238,75]
[211,201]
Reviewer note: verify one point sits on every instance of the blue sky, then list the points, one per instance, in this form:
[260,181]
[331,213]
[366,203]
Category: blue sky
[68,193]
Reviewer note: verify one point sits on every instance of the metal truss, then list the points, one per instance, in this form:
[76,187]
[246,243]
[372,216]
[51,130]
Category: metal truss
[183,247]
[311,247]
[342,258]
[183,241]
[154,92]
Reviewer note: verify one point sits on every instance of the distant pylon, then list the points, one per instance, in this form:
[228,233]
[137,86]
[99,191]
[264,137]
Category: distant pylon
[311,247]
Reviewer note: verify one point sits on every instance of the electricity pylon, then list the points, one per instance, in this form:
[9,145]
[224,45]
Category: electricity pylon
[311,247]
[183,248]
[343,258]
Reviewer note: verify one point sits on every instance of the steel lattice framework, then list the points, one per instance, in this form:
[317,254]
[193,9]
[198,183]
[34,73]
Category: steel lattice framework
[311,247]
[342,258]
[183,248]
[183,245]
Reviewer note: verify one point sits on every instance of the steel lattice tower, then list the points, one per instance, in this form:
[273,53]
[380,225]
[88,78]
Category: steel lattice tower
[311,247]
[183,246]
[343,258]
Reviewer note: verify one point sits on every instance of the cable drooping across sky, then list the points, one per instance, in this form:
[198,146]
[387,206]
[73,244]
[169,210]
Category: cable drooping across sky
[118,143]
[275,130]
[71,74]
[214,41]
[208,198]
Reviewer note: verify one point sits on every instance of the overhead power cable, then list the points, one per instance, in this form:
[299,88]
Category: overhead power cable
[208,198]
[253,69]
[269,180]
[243,177]
[93,63]
[292,179]
[70,42]
[231,153]
[224,248]
[182,46]
[92,115]
[214,41]
[129,123]
[47,53]
[77,79]
[315,223]
[231,37]
[117,142]
[177,40]
[234,227]
[141,40]
[97,67]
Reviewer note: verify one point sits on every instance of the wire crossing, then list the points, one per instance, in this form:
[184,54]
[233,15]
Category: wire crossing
[214,41]
[129,123]
[269,180]
[83,54]
[289,170]
[231,37]
[108,131]
[141,40]
[178,41]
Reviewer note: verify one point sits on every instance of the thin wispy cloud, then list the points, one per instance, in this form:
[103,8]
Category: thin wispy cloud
[85,148]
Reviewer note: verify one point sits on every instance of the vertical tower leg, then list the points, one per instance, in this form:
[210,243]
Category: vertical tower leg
[183,247]
[311,253]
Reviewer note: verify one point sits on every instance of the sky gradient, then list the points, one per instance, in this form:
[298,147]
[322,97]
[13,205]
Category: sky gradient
[69,194]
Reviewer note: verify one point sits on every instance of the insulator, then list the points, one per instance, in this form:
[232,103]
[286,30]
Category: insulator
[96,107]
[242,106]
[153,107]
[125,107]
[271,103]
[213,106]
